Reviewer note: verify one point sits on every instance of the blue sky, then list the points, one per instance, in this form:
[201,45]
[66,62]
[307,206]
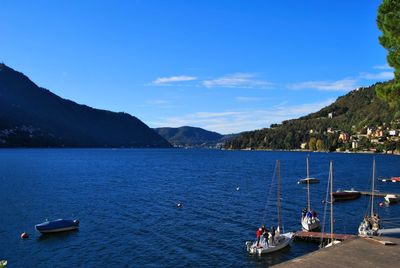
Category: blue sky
[226,66]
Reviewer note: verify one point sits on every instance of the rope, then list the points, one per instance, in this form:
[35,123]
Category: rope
[269,195]
[325,209]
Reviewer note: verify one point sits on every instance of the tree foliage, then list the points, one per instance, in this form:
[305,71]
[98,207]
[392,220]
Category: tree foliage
[388,21]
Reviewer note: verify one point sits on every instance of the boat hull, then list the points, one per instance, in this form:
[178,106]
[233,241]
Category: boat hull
[56,226]
[342,196]
[309,180]
[283,241]
[310,224]
[334,242]
[392,198]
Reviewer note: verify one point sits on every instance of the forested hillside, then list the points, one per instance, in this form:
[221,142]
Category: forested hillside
[357,121]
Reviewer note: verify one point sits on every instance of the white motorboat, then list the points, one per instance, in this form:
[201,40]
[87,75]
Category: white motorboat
[392,198]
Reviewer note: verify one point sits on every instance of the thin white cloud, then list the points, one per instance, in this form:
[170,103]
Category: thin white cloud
[173,79]
[226,122]
[346,84]
[249,99]
[382,67]
[237,80]
[377,76]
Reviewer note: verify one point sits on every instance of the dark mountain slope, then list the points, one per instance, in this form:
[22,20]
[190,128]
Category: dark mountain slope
[31,116]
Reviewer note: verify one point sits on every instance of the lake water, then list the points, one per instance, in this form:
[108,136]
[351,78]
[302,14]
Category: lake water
[126,203]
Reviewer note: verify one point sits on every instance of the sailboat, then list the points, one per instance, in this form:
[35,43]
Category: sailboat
[280,240]
[332,240]
[308,179]
[309,219]
[371,223]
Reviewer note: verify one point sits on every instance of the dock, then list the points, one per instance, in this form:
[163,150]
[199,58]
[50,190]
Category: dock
[358,253]
[317,236]
[378,194]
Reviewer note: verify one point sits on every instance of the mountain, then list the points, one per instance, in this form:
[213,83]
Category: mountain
[190,136]
[359,116]
[31,116]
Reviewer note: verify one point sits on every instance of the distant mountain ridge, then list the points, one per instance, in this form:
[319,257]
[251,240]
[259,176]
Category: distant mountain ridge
[190,136]
[31,116]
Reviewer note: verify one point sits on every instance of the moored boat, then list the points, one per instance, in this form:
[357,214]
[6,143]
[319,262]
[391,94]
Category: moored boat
[308,180]
[370,225]
[309,219]
[392,179]
[332,241]
[278,240]
[392,198]
[55,226]
[340,195]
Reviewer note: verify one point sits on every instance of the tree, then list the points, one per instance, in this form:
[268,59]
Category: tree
[388,21]
[312,144]
[320,145]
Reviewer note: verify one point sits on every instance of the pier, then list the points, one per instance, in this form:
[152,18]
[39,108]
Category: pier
[378,194]
[317,236]
[357,252]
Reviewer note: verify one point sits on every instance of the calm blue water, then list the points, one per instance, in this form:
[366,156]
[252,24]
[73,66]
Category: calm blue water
[125,200]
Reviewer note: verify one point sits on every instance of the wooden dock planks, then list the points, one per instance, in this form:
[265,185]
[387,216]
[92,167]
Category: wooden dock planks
[318,235]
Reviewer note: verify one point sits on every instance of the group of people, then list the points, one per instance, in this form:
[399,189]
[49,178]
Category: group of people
[266,237]
[373,222]
[308,213]
[370,225]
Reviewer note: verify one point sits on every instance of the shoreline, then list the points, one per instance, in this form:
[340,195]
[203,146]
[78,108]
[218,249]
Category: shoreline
[304,151]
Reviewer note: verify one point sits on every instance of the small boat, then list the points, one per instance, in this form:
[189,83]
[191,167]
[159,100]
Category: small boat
[392,179]
[309,219]
[340,195]
[279,240]
[392,198]
[371,223]
[308,180]
[55,226]
[332,241]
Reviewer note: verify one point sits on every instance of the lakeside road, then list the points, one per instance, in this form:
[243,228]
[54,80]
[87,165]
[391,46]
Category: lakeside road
[357,252]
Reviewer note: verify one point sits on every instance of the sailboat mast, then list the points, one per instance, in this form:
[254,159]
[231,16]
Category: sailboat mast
[308,188]
[279,193]
[373,187]
[308,195]
[331,184]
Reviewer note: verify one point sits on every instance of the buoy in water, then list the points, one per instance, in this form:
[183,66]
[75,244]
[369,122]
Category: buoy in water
[179,205]
[237,188]
[24,235]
